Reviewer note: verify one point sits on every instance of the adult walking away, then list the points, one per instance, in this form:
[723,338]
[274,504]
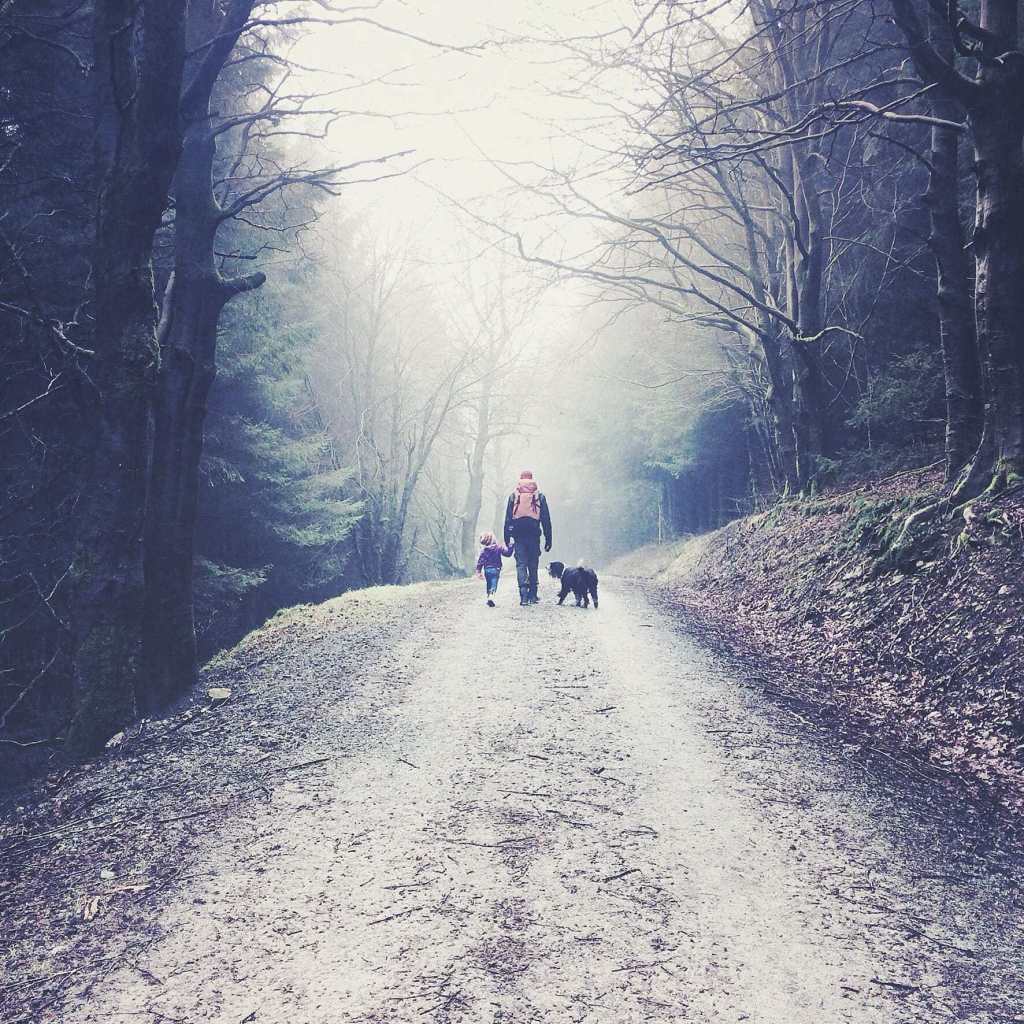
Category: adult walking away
[526,517]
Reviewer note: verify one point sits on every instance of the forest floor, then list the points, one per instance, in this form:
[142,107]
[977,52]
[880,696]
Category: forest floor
[921,644]
[412,807]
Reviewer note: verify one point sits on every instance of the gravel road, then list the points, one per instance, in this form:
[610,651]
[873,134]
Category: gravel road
[550,814]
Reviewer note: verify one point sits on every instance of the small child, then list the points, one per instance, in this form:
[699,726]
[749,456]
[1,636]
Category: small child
[488,565]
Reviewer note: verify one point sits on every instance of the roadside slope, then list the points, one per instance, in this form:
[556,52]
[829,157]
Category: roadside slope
[923,645]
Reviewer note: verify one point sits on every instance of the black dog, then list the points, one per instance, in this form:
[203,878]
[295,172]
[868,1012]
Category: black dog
[582,582]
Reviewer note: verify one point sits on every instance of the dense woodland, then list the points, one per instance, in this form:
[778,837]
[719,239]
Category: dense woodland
[792,233]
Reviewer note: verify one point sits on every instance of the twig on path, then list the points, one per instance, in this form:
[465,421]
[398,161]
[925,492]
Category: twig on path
[409,763]
[601,711]
[910,767]
[191,814]
[39,979]
[640,967]
[568,820]
[621,874]
[301,764]
[391,917]
[79,824]
[899,985]
[537,757]
[916,933]
[489,846]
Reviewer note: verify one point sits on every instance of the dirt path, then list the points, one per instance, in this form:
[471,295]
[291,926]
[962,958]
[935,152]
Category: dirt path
[554,815]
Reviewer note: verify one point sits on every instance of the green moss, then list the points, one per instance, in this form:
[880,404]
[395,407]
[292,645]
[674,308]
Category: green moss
[894,532]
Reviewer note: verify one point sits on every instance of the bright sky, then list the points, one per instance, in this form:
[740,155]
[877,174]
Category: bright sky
[458,111]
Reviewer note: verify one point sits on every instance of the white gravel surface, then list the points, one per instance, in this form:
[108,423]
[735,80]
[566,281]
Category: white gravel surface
[550,814]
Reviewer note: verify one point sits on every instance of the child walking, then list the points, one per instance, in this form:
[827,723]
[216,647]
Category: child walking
[488,565]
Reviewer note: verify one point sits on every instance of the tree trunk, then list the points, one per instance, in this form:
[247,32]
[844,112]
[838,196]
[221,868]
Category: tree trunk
[194,302]
[998,130]
[806,308]
[809,404]
[138,72]
[961,368]
[187,372]
[995,118]
[779,402]
[475,483]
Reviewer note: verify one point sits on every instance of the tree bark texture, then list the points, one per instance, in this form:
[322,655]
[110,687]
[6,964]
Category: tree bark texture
[995,119]
[139,57]
[961,368]
[475,475]
[193,305]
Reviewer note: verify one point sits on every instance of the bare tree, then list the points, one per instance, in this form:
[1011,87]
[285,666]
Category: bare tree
[743,172]
[497,347]
[387,380]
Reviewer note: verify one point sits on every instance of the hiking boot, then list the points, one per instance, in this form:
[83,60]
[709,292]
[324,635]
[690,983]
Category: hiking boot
[490,603]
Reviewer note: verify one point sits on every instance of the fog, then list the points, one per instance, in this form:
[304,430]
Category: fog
[489,127]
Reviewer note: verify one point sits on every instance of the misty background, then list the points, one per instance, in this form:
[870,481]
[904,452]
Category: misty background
[678,259]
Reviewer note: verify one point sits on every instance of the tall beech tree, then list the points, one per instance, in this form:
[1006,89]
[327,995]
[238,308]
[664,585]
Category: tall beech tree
[139,57]
[195,295]
[961,365]
[991,99]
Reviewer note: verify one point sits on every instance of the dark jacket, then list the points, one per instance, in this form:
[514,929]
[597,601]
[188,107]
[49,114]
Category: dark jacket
[528,528]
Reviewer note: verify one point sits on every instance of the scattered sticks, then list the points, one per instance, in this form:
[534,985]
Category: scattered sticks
[621,874]
[392,917]
[301,764]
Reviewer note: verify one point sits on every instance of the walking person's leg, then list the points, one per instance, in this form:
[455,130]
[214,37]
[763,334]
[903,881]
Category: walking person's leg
[522,571]
[534,554]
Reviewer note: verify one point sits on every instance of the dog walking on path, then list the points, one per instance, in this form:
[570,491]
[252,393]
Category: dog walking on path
[580,580]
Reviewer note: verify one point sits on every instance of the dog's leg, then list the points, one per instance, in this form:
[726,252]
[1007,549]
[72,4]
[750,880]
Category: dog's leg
[563,594]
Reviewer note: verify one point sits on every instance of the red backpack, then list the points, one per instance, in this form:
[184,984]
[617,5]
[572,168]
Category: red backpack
[526,501]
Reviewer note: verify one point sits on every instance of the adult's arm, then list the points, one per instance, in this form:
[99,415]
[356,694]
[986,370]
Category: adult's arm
[545,522]
[508,520]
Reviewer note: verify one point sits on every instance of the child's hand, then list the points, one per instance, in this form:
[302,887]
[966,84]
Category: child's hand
[479,575]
